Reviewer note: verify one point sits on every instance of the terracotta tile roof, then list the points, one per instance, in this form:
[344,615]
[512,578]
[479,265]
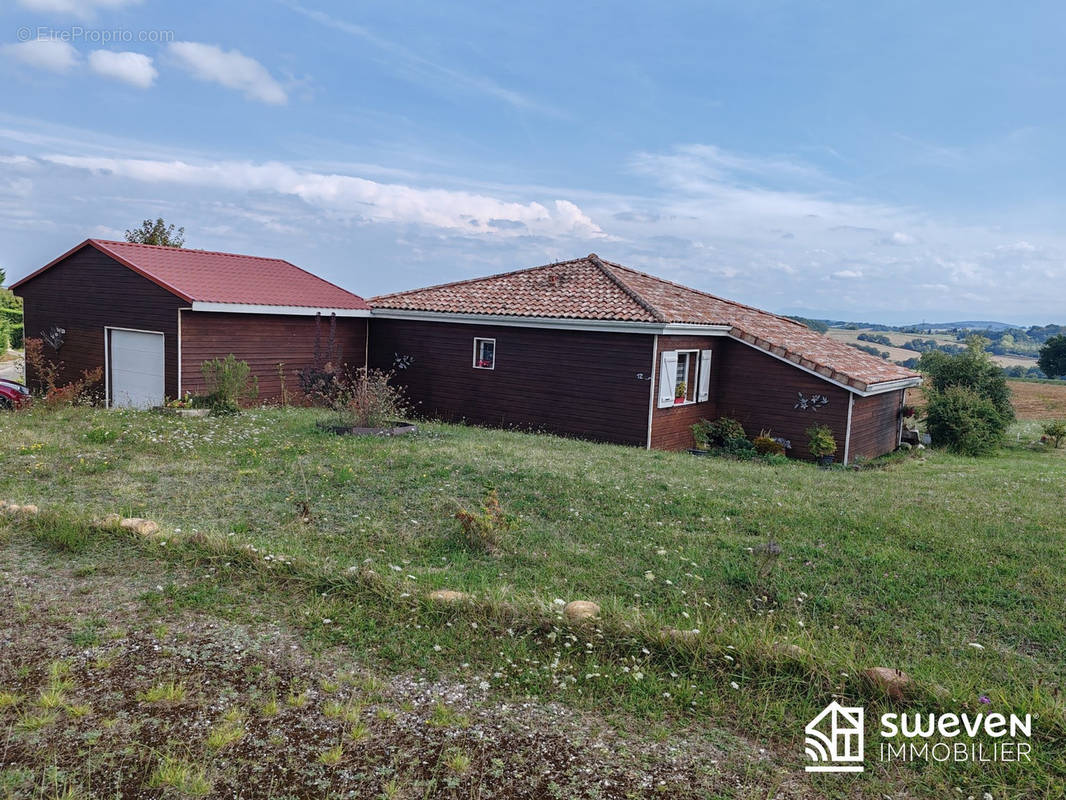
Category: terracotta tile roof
[209,277]
[594,289]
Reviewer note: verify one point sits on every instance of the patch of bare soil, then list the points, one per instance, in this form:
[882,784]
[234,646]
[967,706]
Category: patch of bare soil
[103,694]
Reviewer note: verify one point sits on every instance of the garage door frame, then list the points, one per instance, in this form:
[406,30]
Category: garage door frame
[107,358]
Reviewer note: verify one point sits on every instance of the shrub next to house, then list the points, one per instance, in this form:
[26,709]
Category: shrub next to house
[969,406]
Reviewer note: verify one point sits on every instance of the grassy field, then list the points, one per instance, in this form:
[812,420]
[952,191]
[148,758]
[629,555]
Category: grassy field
[896,353]
[909,566]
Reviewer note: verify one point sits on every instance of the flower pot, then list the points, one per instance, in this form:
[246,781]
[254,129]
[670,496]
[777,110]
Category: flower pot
[185,412]
[825,461]
[678,401]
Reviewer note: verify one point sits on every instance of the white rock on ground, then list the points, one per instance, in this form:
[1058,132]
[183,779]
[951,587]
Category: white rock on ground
[578,610]
[142,527]
[893,682]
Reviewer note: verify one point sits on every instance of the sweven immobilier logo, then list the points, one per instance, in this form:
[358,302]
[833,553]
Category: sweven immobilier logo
[834,738]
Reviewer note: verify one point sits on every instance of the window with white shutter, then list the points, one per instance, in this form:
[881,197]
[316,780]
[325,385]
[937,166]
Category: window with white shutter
[667,377]
[684,377]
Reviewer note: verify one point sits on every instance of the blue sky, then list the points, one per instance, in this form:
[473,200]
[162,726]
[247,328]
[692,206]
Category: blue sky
[893,161]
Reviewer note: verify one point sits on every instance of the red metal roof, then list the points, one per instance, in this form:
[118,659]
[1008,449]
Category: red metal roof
[204,276]
[593,289]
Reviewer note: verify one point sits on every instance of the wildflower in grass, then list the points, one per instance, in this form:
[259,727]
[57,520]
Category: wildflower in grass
[734,684]
[984,700]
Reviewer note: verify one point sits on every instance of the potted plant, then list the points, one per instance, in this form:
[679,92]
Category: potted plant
[679,393]
[821,444]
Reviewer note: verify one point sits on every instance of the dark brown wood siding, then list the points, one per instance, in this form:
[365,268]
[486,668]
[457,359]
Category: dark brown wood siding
[572,383]
[88,291]
[264,340]
[761,392]
[875,425]
[672,427]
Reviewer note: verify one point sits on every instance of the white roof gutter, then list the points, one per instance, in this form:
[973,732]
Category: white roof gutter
[302,311]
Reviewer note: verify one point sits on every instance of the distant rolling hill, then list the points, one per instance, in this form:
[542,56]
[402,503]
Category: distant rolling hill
[976,325]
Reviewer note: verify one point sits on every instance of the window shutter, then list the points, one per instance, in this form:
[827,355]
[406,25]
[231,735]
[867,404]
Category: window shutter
[705,376]
[667,377]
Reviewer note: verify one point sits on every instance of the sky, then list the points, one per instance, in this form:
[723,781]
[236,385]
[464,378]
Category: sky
[894,162]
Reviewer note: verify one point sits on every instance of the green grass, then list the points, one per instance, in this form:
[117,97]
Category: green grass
[168,692]
[900,567]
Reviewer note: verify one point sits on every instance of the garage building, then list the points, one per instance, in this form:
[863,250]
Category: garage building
[149,316]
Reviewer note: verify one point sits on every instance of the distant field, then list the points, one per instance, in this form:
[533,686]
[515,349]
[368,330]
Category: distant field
[900,354]
[1031,399]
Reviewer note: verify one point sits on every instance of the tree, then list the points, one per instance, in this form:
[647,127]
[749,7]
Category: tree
[1053,357]
[974,369]
[969,406]
[157,233]
[3,276]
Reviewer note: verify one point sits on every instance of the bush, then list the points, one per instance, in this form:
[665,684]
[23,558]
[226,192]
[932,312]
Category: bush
[322,380]
[765,445]
[820,441]
[971,369]
[968,405]
[738,446]
[364,398]
[964,421]
[1055,432]
[229,381]
[17,339]
[718,433]
[83,390]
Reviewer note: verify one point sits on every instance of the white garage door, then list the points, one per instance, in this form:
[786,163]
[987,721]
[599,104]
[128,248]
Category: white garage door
[136,369]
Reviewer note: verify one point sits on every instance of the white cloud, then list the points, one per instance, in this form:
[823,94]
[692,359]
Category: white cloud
[898,238]
[47,54]
[78,8]
[135,69]
[461,212]
[229,68]
[847,274]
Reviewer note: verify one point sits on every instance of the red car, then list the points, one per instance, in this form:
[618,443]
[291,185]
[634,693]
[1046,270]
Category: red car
[12,394]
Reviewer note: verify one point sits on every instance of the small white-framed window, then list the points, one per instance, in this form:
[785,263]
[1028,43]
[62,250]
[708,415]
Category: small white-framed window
[484,354]
[684,377]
